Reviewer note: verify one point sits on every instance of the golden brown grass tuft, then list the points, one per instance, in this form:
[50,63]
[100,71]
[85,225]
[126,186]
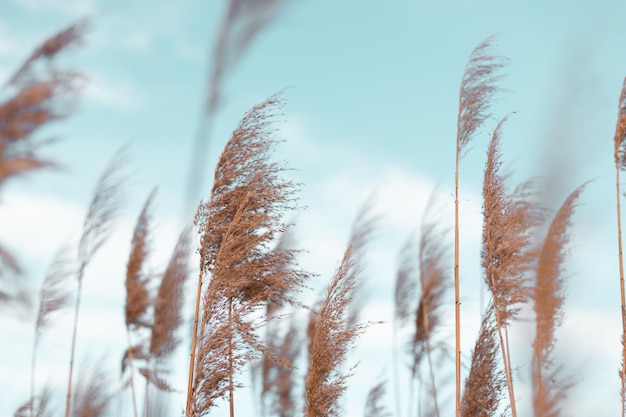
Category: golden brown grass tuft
[35,98]
[278,381]
[332,338]
[508,220]
[477,88]
[137,280]
[169,301]
[54,295]
[242,22]
[485,384]
[37,406]
[375,403]
[548,392]
[92,393]
[620,164]
[97,227]
[137,291]
[237,226]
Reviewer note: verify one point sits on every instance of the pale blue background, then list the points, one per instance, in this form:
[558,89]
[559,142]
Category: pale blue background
[372,103]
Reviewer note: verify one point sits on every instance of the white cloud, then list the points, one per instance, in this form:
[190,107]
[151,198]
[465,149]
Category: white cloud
[114,93]
[75,8]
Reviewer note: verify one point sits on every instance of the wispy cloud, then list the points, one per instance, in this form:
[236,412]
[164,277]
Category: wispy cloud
[121,95]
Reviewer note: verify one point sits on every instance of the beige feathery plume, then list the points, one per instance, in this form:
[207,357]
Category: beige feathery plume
[485,384]
[97,227]
[620,164]
[242,22]
[167,317]
[332,339]
[375,404]
[55,294]
[548,392]
[34,101]
[477,88]
[237,227]
[92,393]
[508,220]
[137,291]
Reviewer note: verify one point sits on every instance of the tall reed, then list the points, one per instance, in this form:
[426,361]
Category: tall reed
[405,293]
[434,284]
[508,220]
[278,382]
[38,95]
[97,227]
[478,85]
[331,339]
[620,165]
[485,384]
[375,403]
[92,393]
[421,285]
[167,317]
[548,296]
[137,291]
[53,296]
[242,22]
[237,225]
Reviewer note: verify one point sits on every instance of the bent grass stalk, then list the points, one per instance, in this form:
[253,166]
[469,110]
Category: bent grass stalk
[620,164]
[477,88]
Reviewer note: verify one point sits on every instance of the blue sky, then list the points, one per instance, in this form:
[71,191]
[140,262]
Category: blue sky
[372,91]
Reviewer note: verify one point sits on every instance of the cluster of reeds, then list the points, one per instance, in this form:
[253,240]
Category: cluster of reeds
[249,281]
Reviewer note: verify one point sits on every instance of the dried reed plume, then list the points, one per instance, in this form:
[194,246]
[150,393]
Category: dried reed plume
[506,257]
[169,301]
[92,395]
[332,339]
[37,100]
[37,406]
[364,227]
[485,384]
[405,293]
[243,20]
[477,88]
[375,403]
[53,296]
[277,396]
[434,284]
[137,292]
[237,225]
[422,266]
[167,316]
[620,164]
[548,296]
[97,227]
[277,382]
